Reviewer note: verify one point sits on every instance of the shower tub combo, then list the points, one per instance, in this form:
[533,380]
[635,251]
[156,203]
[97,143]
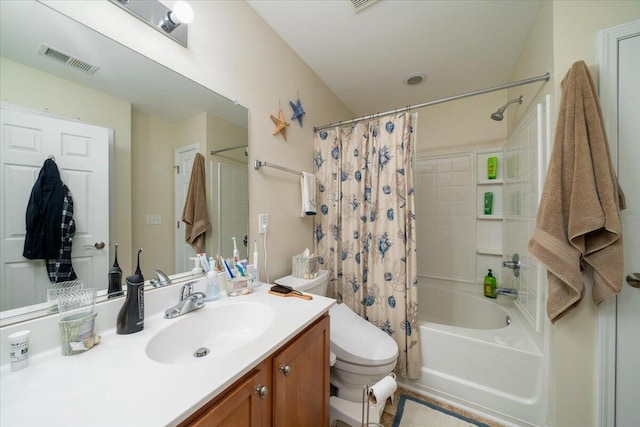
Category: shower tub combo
[477,353]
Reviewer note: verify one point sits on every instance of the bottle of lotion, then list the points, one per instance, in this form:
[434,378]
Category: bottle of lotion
[490,285]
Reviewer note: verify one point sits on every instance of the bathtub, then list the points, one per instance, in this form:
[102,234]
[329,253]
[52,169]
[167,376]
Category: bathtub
[477,354]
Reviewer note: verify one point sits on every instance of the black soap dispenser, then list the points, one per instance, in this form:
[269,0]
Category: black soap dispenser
[115,279]
[131,316]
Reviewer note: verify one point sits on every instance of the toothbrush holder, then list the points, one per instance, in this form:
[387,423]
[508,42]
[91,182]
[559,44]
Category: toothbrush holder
[239,285]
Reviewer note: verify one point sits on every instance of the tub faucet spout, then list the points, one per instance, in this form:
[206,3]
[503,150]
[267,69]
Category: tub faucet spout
[507,291]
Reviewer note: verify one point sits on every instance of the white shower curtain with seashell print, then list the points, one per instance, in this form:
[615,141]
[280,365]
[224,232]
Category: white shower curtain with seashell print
[365,227]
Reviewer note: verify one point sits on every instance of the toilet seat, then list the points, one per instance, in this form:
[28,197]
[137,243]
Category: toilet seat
[358,342]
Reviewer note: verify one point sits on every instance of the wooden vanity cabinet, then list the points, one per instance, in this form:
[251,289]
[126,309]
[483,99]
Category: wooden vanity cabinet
[301,379]
[290,388]
[245,404]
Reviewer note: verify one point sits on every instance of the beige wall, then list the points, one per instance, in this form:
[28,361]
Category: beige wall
[536,59]
[462,125]
[575,27]
[233,52]
[40,91]
[565,32]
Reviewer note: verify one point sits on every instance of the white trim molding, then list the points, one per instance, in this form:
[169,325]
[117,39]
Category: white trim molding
[607,313]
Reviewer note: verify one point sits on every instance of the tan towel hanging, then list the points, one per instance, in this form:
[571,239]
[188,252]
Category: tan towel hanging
[195,214]
[579,218]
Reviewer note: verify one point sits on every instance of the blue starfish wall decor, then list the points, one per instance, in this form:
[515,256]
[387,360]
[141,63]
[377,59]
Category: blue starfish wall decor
[298,112]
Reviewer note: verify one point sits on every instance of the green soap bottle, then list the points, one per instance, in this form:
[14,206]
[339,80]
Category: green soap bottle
[492,167]
[490,285]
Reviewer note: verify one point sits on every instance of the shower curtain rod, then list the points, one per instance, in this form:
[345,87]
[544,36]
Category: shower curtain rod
[228,149]
[544,77]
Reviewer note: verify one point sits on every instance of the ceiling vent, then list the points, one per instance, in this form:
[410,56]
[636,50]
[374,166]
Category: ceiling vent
[362,4]
[69,60]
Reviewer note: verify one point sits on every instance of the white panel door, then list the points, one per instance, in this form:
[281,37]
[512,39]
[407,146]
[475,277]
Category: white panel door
[81,153]
[628,324]
[184,164]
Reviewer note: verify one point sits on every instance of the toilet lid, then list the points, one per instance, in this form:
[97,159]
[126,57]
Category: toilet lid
[357,341]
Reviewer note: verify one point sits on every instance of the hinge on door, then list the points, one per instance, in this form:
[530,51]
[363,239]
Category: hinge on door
[177,168]
[178,224]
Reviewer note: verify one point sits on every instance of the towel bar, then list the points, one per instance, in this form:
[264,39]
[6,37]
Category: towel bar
[258,164]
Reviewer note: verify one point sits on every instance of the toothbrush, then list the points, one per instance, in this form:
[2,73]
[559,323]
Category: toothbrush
[228,270]
[255,253]
[235,251]
[241,269]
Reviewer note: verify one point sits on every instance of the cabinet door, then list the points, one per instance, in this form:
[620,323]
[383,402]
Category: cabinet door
[247,404]
[301,379]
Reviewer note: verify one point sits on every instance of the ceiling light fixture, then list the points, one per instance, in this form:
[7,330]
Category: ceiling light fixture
[182,13]
[172,23]
[414,79]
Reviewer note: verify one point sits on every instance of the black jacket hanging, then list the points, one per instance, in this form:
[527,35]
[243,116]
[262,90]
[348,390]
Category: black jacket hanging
[44,214]
[60,268]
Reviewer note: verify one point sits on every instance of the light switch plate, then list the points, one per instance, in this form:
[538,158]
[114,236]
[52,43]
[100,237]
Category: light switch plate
[263,222]
[155,219]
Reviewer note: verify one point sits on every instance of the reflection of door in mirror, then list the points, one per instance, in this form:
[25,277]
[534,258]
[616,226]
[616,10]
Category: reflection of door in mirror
[80,151]
[184,163]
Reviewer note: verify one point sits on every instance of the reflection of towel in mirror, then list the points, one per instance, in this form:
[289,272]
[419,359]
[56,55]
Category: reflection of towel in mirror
[308,187]
[578,218]
[194,214]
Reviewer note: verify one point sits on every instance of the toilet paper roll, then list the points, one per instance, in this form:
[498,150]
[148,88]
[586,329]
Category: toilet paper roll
[382,390]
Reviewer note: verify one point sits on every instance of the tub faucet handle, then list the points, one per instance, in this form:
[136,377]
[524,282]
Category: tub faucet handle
[514,264]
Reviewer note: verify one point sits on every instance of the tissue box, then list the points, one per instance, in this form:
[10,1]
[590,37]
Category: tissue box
[305,267]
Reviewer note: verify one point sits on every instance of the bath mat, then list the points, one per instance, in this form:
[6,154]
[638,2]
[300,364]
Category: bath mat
[413,412]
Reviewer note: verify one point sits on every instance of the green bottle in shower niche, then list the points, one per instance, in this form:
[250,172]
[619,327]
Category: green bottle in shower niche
[492,167]
[488,202]
[490,285]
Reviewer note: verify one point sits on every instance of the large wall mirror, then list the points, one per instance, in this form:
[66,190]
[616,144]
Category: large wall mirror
[155,121]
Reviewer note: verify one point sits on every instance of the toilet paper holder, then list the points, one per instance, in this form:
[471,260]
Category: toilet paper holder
[368,398]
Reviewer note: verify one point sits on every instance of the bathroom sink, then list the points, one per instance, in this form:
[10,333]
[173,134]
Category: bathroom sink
[212,331]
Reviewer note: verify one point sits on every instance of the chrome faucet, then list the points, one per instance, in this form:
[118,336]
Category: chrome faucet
[511,292]
[162,279]
[189,301]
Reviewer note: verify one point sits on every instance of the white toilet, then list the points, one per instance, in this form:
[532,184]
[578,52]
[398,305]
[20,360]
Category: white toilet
[364,353]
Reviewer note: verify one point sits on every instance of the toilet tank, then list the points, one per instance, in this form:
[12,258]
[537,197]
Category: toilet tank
[316,286]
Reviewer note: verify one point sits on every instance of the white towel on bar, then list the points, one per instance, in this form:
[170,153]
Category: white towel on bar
[308,187]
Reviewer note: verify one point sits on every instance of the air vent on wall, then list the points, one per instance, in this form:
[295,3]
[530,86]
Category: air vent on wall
[69,60]
[361,4]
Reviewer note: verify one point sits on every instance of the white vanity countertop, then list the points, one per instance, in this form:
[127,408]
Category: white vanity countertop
[117,384]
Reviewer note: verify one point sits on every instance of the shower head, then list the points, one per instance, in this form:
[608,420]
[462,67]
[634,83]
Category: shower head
[499,115]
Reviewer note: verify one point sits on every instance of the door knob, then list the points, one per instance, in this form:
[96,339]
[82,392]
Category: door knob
[285,369]
[633,280]
[261,390]
[96,245]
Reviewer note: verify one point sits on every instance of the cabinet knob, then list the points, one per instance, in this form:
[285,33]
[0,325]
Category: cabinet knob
[261,390]
[285,369]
